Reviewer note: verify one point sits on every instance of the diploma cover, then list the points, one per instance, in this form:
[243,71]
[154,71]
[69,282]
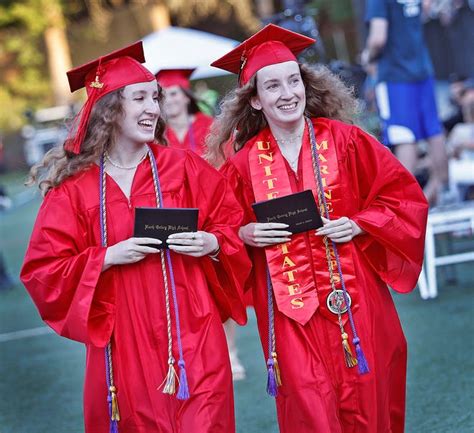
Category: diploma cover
[298,210]
[159,223]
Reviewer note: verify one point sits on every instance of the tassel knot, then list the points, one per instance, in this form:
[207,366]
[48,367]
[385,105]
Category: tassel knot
[114,413]
[183,391]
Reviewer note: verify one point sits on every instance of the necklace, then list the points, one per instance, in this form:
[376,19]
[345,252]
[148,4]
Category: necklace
[283,149]
[289,141]
[293,162]
[121,167]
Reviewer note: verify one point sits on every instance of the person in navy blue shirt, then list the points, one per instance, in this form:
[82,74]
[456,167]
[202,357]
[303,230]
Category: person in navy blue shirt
[405,87]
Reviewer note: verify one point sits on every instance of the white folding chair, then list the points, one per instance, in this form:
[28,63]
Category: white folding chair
[457,218]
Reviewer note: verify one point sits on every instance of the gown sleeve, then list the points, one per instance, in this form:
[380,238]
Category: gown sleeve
[61,273]
[244,194]
[393,211]
[220,214]
[242,190]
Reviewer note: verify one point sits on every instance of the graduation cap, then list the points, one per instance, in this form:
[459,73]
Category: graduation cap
[100,77]
[175,77]
[269,46]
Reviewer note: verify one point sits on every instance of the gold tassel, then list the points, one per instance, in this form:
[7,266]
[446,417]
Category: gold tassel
[170,380]
[276,369]
[351,361]
[115,408]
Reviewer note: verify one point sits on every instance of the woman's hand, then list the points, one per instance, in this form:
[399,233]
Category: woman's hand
[340,230]
[195,244]
[131,250]
[264,234]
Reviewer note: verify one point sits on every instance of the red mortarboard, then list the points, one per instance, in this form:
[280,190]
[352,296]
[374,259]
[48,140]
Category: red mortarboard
[269,46]
[175,77]
[102,76]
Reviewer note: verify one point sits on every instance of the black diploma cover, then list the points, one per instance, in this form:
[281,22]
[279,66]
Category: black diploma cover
[159,223]
[298,210]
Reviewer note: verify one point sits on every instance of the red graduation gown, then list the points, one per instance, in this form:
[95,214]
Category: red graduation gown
[195,138]
[319,393]
[62,272]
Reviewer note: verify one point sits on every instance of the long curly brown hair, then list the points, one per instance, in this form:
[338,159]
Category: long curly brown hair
[326,96]
[59,164]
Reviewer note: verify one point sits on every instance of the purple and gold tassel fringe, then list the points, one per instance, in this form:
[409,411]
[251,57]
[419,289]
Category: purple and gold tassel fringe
[114,409]
[274,377]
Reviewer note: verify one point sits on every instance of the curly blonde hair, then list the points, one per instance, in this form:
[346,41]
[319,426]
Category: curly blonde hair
[238,122]
[59,164]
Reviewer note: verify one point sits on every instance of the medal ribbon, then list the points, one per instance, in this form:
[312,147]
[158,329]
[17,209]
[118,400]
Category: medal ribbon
[298,292]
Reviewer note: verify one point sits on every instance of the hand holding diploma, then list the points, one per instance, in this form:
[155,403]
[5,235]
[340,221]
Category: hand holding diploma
[195,244]
[130,250]
[264,234]
[341,230]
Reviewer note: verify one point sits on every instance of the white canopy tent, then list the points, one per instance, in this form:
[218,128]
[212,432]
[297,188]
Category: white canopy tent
[175,47]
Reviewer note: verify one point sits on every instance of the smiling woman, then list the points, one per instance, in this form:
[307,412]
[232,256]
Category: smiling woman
[150,318]
[335,351]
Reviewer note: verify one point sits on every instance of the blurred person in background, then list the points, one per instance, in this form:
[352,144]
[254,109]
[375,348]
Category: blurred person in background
[458,90]
[461,142]
[5,203]
[186,126]
[2,155]
[448,29]
[5,280]
[207,98]
[336,354]
[405,89]
[150,318]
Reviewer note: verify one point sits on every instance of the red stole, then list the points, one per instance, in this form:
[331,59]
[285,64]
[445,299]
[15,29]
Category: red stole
[298,291]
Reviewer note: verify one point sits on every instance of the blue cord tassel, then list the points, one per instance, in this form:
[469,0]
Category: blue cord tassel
[114,427]
[183,391]
[272,388]
[361,361]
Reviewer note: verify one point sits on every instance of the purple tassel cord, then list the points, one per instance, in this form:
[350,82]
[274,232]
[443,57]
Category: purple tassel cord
[183,391]
[113,427]
[361,361]
[272,387]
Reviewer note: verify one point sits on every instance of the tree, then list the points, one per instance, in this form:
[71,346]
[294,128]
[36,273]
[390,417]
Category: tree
[33,39]
[188,11]
[57,47]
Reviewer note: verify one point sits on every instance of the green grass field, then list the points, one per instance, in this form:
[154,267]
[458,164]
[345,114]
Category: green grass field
[41,376]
